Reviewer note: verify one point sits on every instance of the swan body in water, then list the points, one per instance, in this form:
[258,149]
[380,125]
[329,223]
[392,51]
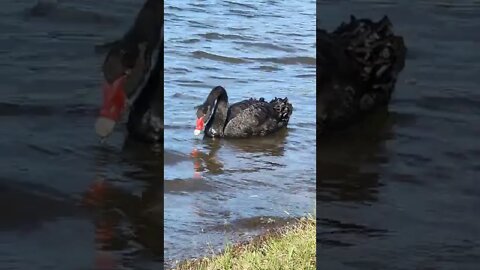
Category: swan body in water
[247,118]
[358,66]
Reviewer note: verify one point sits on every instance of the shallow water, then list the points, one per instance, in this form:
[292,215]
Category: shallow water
[401,190]
[397,192]
[67,201]
[221,190]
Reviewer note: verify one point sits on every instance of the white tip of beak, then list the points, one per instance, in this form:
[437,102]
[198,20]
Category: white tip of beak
[104,127]
[197,132]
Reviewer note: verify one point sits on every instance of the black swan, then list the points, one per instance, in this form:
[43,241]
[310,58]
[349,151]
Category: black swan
[247,118]
[357,68]
[125,69]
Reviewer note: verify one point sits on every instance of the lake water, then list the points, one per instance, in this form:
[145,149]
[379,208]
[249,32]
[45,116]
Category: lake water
[401,191]
[69,202]
[218,191]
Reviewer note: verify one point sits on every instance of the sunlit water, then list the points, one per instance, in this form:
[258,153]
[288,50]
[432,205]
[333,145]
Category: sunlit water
[401,191]
[217,191]
[68,202]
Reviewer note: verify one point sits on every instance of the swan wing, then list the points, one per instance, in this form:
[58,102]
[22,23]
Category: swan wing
[251,119]
[236,108]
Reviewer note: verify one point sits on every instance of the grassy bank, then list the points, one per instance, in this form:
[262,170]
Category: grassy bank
[291,247]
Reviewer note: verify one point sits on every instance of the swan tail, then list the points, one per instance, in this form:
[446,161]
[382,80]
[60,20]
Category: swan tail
[379,53]
[283,108]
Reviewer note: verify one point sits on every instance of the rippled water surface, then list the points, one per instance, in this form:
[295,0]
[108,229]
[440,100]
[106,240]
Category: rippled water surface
[219,190]
[401,191]
[66,201]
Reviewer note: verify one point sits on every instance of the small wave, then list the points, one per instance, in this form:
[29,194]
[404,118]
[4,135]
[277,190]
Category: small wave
[191,83]
[452,104]
[238,28]
[190,41]
[188,81]
[241,5]
[210,68]
[339,227]
[168,7]
[42,150]
[218,36]
[306,125]
[200,25]
[379,3]
[265,45]
[185,96]
[186,186]
[295,60]
[293,35]
[267,68]
[221,78]
[56,13]
[176,127]
[34,204]
[201,5]
[242,13]
[10,109]
[178,70]
[174,157]
[216,57]
[306,75]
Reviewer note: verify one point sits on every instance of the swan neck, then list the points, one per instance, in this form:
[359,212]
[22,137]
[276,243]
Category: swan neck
[219,102]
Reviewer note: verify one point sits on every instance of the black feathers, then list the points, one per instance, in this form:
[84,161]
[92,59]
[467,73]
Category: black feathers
[247,118]
[283,108]
[358,67]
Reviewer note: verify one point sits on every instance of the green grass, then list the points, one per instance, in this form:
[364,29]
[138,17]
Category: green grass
[292,247]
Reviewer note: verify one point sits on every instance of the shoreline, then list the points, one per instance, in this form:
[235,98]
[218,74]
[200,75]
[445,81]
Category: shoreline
[292,246]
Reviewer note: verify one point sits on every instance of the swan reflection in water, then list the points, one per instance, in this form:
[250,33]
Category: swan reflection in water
[205,153]
[344,158]
[128,220]
[350,171]
[127,206]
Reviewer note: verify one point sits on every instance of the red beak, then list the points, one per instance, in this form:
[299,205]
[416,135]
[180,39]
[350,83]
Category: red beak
[200,123]
[114,99]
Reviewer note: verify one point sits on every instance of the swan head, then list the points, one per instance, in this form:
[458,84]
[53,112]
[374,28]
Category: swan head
[114,102]
[118,77]
[212,114]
